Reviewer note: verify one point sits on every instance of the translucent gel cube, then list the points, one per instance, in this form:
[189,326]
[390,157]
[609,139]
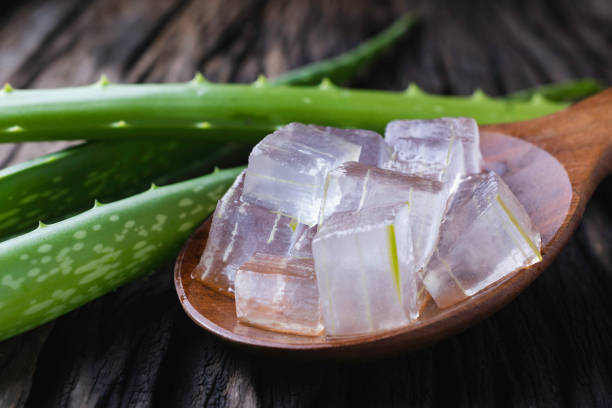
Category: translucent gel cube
[280,294]
[238,230]
[374,150]
[451,130]
[485,236]
[354,186]
[287,170]
[359,267]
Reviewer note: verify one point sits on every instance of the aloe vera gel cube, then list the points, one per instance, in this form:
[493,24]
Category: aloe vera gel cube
[238,230]
[486,235]
[279,293]
[354,186]
[287,170]
[447,137]
[359,266]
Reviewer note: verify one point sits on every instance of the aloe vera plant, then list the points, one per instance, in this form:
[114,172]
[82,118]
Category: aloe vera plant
[229,112]
[58,267]
[44,281]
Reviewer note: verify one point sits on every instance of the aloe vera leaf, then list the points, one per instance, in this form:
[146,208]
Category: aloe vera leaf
[569,91]
[343,67]
[205,111]
[68,181]
[58,267]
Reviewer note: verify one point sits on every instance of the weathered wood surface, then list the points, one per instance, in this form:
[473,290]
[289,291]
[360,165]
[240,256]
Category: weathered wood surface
[135,347]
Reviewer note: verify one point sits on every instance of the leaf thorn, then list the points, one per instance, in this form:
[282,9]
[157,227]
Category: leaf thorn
[7,88]
[103,82]
[198,79]
[537,98]
[413,90]
[260,81]
[326,83]
[119,124]
[14,129]
[479,95]
[203,125]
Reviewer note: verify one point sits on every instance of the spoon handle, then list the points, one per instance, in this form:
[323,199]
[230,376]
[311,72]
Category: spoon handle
[580,137]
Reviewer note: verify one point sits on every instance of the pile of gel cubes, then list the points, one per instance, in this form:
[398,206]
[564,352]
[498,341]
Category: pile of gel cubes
[342,232]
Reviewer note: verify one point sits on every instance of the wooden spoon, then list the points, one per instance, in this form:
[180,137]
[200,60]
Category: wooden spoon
[552,164]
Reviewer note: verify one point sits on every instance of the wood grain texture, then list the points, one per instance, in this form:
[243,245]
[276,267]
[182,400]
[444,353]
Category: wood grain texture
[549,347]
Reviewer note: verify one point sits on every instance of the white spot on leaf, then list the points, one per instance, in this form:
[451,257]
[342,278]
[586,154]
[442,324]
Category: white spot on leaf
[62,294]
[38,307]
[9,281]
[185,202]
[45,248]
[33,272]
[185,226]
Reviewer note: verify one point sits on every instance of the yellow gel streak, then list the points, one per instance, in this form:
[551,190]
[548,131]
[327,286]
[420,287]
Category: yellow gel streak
[394,260]
[514,221]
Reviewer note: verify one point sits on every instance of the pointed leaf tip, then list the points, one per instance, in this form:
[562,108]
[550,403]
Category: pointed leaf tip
[326,83]
[7,88]
[198,79]
[260,81]
[103,81]
[413,90]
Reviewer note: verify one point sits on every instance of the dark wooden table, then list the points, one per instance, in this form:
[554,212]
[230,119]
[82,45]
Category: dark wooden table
[135,347]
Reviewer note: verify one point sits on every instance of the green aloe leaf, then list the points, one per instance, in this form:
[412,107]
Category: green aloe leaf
[204,111]
[56,268]
[68,181]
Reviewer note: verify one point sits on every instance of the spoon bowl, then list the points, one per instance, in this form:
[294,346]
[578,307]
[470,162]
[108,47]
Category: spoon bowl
[552,164]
